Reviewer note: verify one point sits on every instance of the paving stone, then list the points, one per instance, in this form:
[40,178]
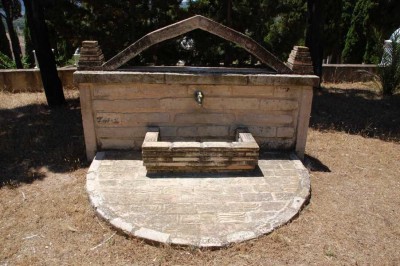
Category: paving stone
[204,210]
[282,196]
[257,197]
[232,217]
[210,242]
[121,224]
[261,216]
[152,235]
[240,236]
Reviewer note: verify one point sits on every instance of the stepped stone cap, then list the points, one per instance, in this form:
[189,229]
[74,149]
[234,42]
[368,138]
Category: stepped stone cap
[90,43]
[91,57]
[300,60]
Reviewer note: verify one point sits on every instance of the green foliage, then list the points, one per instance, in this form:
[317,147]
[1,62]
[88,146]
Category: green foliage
[6,62]
[356,38]
[267,22]
[337,22]
[389,71]
[371,22]
[287,27]
[373,48]
[115,24]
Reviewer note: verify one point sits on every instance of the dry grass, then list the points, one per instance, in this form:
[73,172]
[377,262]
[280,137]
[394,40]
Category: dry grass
[35,139]
[353,151]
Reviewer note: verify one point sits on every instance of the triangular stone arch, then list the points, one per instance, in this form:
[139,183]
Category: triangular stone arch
[196,22]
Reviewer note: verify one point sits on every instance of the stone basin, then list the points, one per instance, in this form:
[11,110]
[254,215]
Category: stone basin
[163,156]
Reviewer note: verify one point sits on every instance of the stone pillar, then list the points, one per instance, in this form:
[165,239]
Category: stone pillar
[91,57]
[300,61]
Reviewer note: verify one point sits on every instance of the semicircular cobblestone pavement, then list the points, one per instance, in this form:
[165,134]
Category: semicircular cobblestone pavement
[203,210]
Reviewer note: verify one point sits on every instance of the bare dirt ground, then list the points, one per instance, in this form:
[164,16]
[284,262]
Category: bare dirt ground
[353,153]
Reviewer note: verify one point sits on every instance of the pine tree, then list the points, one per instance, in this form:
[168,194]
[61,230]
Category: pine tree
[4,44]
[38,30]
[359,32]
[12,10]
[314,34]
[29,57]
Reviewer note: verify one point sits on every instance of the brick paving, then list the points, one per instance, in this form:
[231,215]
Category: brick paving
[204,210]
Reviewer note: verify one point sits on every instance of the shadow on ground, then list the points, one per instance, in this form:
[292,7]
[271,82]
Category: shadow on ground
[357,111]
[35,139]
[315,165]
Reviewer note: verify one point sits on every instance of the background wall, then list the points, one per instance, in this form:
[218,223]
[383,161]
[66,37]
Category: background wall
[29,80]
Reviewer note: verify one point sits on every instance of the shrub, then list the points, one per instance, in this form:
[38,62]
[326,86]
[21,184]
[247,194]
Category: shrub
[6,62]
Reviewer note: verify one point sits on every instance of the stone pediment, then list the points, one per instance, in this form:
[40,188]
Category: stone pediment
[190,24]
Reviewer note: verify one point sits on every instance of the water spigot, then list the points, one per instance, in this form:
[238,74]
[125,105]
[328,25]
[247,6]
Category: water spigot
[198,96]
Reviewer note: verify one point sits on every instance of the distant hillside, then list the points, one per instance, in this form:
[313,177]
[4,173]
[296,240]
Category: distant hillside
[19,24]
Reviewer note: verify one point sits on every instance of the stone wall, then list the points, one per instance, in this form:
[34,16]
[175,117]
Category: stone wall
[339,73]
[29,80]
[119,107]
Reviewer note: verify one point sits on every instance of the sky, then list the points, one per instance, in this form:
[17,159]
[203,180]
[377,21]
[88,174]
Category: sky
[22,7]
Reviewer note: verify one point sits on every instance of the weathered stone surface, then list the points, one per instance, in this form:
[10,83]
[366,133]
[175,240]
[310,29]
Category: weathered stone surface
[172,78]
[216,131]
[281,105]
[253,91]
[91,57]
[90,44]
[199,156]
[232,103]
[211,90]
[207,118]
[300,60]
[127,106]
[265,119]
[285,132]
[204,210]
[116,143]
[304,113]
[298,80]
[118,77]
[134,91]
[129,102]
[151,137]
[152,235]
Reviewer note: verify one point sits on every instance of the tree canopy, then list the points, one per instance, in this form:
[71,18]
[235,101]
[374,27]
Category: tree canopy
[353,31]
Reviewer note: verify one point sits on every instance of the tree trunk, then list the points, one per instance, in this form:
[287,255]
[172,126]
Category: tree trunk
[228,48]
[4,44]
[13,36]
[47,64]
[314,34]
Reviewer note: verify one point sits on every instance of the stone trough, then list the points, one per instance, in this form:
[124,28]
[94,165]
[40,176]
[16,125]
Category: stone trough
[163,156]
[197,112]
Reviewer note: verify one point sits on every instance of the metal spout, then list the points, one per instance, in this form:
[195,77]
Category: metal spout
[198,96]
